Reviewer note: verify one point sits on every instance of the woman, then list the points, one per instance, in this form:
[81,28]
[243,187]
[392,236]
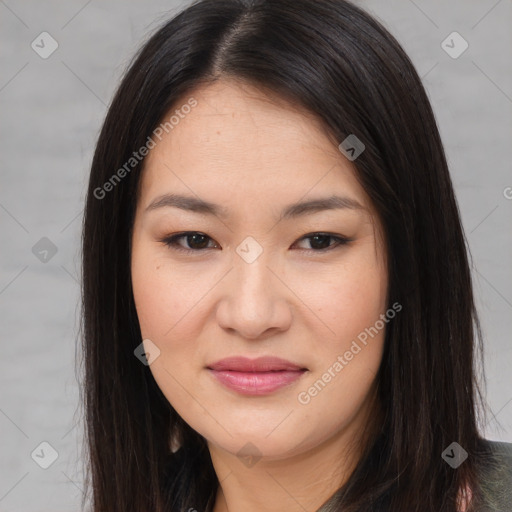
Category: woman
[278,312]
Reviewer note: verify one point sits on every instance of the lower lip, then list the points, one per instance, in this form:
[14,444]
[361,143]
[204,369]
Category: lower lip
[256,383]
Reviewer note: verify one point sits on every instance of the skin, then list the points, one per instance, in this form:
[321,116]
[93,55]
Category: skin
[255,154]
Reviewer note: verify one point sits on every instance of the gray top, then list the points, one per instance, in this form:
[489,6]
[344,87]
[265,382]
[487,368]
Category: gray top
[497,479]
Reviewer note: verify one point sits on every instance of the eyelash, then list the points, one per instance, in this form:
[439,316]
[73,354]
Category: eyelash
[171,241]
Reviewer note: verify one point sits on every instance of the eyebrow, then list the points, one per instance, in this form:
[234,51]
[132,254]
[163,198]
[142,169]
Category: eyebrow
[294,210]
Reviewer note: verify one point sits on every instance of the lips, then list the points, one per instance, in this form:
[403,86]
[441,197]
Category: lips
[259,376]
[261,364]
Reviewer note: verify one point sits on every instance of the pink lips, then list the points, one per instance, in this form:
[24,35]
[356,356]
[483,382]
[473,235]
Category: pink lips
[255,376]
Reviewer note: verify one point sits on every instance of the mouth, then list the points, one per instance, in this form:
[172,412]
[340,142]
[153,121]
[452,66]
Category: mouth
[259,376]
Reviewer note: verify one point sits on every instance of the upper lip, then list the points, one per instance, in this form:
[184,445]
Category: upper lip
[260,364]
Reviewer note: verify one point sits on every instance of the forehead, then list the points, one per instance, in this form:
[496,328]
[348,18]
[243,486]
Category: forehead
[240,138]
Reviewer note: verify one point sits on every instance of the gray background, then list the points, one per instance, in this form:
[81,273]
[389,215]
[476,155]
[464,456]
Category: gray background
[52,110]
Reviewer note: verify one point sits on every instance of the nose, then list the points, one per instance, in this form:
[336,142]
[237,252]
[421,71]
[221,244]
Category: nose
[255,303]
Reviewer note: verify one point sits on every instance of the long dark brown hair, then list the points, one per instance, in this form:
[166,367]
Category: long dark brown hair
[343,66]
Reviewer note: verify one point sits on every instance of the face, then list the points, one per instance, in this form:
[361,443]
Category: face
[236,267]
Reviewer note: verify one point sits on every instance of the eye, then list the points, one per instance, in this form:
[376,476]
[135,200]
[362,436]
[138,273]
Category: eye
[321,241]
[195,240]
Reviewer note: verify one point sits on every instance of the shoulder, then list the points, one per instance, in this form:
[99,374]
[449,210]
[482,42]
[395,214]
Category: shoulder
[496,475]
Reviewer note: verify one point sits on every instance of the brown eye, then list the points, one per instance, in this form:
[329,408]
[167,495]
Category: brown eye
[194,240]
[322,241]
[197,241]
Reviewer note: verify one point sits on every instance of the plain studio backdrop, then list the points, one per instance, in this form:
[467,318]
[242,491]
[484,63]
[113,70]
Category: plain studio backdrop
[53,98]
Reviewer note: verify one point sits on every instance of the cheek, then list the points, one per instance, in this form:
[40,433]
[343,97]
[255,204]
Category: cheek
[347,299]
[349,302]
[361,299]
[164,298]
[172,307]
[346,361]
[168,303]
